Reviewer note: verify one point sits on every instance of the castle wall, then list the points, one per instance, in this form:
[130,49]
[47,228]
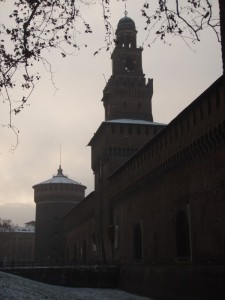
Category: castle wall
[180,170]
[16,247]
[171,193]
[79,233]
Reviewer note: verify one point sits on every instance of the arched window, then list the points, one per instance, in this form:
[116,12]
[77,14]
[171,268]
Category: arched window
[137,241]
[84,252]
[67,253]
[182,235]
[75,252]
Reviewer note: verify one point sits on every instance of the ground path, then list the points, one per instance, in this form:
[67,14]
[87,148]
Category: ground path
[18,288]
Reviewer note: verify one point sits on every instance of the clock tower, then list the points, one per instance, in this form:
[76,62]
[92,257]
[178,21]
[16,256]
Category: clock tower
[127,95]
[127,127]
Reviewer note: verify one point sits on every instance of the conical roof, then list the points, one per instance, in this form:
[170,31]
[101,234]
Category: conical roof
[59,178]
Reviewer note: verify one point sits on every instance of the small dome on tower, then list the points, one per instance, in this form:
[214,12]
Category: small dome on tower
[126,23]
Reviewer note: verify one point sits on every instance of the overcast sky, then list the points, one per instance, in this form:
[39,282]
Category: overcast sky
[71,115]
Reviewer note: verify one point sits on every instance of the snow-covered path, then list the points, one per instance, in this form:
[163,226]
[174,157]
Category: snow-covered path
[18,288]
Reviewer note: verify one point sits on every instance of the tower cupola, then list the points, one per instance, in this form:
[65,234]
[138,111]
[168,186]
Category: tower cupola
[126,33]
[125,23]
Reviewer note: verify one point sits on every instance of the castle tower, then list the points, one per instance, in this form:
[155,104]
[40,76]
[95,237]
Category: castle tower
[127,127]
[54,198]
[127,103]
[127,95]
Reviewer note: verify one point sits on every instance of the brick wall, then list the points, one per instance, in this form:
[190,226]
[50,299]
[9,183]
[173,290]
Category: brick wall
[182,169]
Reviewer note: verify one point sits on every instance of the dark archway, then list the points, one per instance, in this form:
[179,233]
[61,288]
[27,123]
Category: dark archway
[182,235]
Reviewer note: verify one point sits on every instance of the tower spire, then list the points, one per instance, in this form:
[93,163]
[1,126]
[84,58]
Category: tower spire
[125,11]
[60,171]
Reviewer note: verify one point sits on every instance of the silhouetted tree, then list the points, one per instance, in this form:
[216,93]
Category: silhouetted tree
[6,225]
[185,18]
[222,30]
[40,25]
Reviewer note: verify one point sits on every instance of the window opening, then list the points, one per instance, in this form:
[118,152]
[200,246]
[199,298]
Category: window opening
[137,241]
[182,235]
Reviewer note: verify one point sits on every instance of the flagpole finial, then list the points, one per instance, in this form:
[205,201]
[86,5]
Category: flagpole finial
[60,155]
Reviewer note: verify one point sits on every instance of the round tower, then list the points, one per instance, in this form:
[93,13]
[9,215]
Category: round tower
[54,198]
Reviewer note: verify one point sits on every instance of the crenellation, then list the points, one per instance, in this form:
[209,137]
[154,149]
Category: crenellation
[191,150]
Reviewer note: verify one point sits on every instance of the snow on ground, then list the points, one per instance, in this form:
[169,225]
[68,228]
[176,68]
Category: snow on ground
[18,288]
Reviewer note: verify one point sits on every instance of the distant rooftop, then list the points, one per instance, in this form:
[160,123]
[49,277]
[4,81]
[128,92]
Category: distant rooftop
[30,223]
[18,229]
[24,229]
